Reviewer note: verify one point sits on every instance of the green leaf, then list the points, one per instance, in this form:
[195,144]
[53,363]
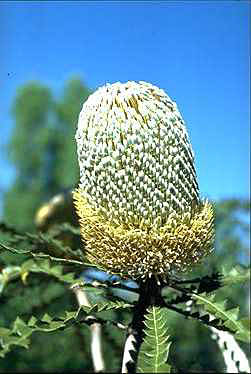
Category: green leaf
[44,266]
[228,318]
[68,316]
[236,275]
[107,305]
[32,321]
[46,318]
[155,347]
[7,274]
[14,250]
[4,331]
[35,266]
[21,331]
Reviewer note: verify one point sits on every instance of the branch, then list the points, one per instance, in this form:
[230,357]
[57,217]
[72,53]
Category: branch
[96,347]
[128,349]
[206,319]
[107,284]
[235,359]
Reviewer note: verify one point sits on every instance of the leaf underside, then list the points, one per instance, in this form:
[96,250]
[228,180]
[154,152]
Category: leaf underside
[155,347]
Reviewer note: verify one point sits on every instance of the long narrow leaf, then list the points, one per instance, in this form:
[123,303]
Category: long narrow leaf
[155,347]
[228,317]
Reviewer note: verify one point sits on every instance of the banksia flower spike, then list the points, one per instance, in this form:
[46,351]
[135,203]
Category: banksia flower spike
[138,197]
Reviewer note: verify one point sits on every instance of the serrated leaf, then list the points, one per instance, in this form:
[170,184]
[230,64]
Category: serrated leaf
[107,305]
[56,270]
[53,325]
[14,250]
[46,318]
[27,265]
[243,335]
[32,321]
[69,315]
[246,322]
[19,323]
[4,331]
[21,331]
[229,318]
[155,347]
[15,340]
[44,266]
[68,278]
[236,275]
[42,255]
[7,274]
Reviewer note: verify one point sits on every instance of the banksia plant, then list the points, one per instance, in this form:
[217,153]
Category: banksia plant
[141,217]
[138,198]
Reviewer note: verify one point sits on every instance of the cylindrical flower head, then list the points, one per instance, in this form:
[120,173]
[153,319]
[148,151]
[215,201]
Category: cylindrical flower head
[138,198]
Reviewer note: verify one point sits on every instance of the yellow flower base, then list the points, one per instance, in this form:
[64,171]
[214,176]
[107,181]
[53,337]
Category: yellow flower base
[140,252]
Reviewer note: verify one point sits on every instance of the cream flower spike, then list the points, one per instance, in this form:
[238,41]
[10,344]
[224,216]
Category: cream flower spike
[138,197]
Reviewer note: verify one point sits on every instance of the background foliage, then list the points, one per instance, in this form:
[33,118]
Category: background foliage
[42,149]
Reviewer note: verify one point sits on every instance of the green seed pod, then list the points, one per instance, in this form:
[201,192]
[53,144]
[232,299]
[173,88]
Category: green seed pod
[138,197]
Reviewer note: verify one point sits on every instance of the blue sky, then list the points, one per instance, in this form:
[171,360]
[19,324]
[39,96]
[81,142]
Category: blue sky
[197,51]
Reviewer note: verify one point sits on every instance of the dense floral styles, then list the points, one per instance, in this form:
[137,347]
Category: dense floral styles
[138,197]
